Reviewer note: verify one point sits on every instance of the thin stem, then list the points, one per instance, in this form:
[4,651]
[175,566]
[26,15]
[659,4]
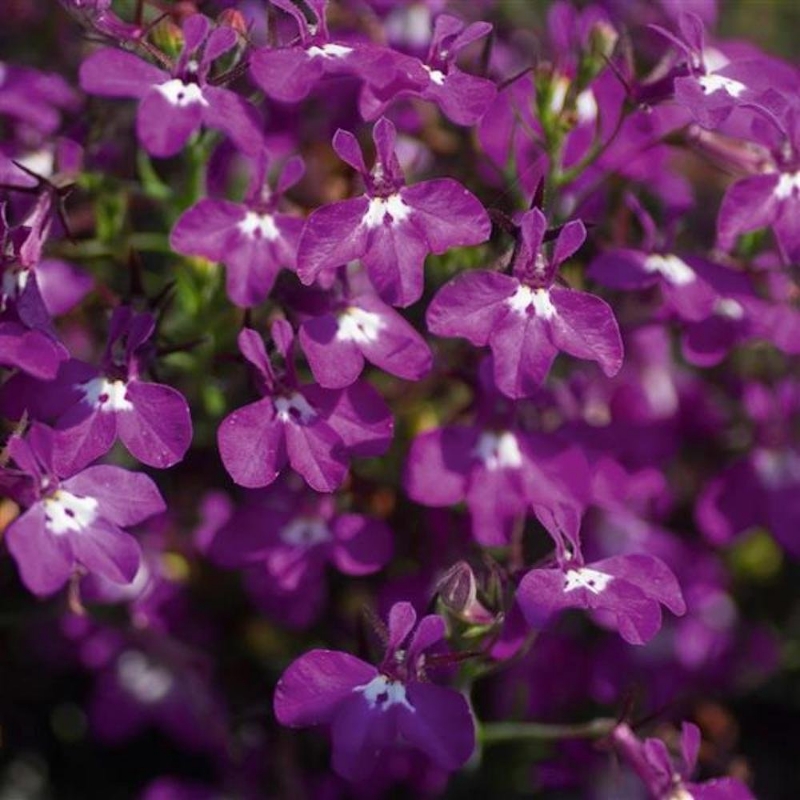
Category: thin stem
[498,732]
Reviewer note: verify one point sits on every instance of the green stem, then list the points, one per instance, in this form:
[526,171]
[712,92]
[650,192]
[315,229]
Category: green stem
[498,732]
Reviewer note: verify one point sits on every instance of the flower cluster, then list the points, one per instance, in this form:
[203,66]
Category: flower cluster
[467,328]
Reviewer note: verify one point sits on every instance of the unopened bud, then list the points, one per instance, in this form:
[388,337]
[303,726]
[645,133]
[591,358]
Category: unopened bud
[232,18]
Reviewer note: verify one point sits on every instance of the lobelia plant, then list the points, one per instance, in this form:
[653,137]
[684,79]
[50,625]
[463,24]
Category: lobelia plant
[348,203]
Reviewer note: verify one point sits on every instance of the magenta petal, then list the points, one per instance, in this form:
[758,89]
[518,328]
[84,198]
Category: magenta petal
[334,362]
[44,559]
[252,444]
[362,546]
[107,551]
[402,619]
[394,261]
[585,327]
[315,451]
[334,236]
[360,734]
[523,354]
[124,498]
[114,73]
[285,74]
[82,435]
[226,111]
[359,415]
[648,573]
[569,240]
[471,305]
[158,429]
[312,687]
[204,229]
[397,348]
[748,205]
[622,269]
[62,285]
[437,466]
[163,128]
[447,214]
[441,725]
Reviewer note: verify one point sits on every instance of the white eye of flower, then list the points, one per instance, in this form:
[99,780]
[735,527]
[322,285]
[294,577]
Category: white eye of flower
[537,299]
[715,83]
[357,325]
[330,50]
[305,532]
[788,185]
[383,693]
[258,226]
[295,408]
[381,207]
[180,94]
[65,512]
[498,451]
[673,269]
[105,395]
[586,578]
[139,676]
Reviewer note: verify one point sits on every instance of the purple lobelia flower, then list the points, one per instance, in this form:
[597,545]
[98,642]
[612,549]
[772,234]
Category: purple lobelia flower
[709,84]
[463,98]
[500,470]
[524,317]
[93,407]
[305,533]
[175,104]
[358,326]
[770,198]
[316,430]
[28,339]
[253,239]
[75,522]
[288,74]
[373,709]
[664,780]
[392,227]
[626,591]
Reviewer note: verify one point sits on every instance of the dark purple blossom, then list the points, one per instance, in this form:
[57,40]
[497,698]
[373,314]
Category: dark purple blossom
[77,522]
[253,239]
[315,430]
[524,317]
[392,227]
[92,407]
[175,104]
[371,710]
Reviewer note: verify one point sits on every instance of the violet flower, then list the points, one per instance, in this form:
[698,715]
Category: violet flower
[253,239]
[92,407]
[175,104]
[625,589]
[75,522]
[664,780]
[358,326]
[28,339]
[526,319]
[392,227]
[288,74]
[371,709]
[315,430]
[463,98]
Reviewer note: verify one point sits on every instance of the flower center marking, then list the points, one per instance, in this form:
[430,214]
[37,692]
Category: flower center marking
[180,94]
[64,512]
[714,83]
[329,50]
[526,299]
[146,681]
[788,185]
[106,395]
[381,210]
[383,693]
[357,325]
[498,451]
[294,408]
[305,532]
[586,578]
[673,269]
[258,226]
